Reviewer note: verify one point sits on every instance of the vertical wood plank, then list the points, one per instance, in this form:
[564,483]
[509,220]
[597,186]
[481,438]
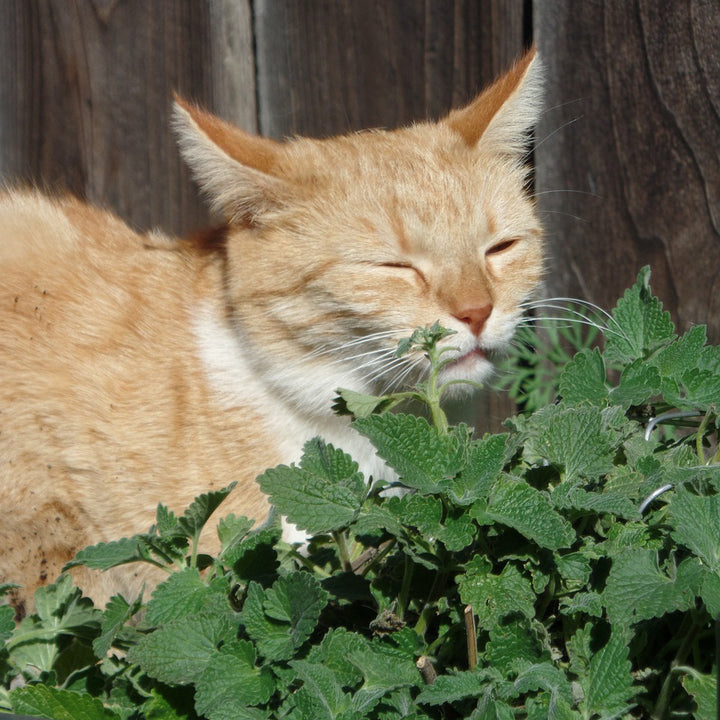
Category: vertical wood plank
[628,163]
[86,89]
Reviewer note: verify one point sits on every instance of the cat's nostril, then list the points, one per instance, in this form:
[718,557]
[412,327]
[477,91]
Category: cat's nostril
[475,317]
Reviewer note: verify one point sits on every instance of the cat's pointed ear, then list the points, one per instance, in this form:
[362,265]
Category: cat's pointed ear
[502,115]
[235,169]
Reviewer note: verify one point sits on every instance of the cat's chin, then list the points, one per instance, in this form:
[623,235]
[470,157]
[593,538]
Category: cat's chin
[472,367]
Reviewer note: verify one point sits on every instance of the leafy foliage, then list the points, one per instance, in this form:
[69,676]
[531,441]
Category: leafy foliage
[568,568]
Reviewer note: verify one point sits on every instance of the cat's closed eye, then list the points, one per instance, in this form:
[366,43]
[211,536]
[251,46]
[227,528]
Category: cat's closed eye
[406,266]
[502,246]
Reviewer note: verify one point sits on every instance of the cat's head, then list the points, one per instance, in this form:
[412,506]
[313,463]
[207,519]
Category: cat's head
[339,247]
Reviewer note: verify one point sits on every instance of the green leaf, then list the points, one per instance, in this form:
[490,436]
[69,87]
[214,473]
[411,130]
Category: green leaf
[117,612]
[484,465]
[281,618]
[697,525]
[7,623]
[324,494]
[511,641]
[321,697]
[574,439]
[334,652]
[641,326]
[494,597]
[520,506]
[104,556]
[638,590]
[608,685]
[179,652]
[567,496]
[638,383]
[703,689]
[540,676]
[231,682]
[682,355]
[583,379]
[589,603]
[183,593]
[461,685]
[457,532]
[424,458]
[202,507]
[232,530]
[49,702]
[360,405]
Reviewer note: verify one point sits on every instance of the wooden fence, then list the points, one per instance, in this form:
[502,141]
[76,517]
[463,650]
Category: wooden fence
[627,163]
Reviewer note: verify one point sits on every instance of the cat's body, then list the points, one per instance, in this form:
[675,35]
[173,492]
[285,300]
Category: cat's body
[141,369]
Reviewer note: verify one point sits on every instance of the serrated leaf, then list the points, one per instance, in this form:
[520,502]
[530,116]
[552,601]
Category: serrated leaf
[638,590]
[321,696]
[255,558]
[323,494]
[461,685]
[424,458]
[608,685]
[183,593]
[539,676]
[104,556]
[334,653]
[421,511]
[117,612]
[582,381]
[682,355]
[202,507]
[484,464]
[640,325]
[567,496]
[520,506]
[574,439]
[638,383]
[494,597]
[703,689]
[179,652]
[457,532]
[511,641]
[281,618]
[49,702]
[231,682]
[589,603]
[697,525]
[710,593]
[360,405]
[232,530]
[7,623]
[384,668]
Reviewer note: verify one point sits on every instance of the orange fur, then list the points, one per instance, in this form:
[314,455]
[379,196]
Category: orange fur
[143,369]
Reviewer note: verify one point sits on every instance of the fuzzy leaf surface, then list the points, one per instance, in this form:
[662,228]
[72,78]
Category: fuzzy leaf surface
[424,458]
[49,702]
[323,494]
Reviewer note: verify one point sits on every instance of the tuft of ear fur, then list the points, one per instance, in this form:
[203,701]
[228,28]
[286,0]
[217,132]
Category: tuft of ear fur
[234,168]
[505,112]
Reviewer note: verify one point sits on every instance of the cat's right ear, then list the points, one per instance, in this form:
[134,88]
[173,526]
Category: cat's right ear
[234,168]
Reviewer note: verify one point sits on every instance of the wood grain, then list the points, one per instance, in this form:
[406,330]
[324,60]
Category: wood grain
[329,66]
[628,162]
[86,93]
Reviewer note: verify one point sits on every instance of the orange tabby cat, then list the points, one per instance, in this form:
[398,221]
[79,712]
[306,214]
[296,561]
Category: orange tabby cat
[138,369]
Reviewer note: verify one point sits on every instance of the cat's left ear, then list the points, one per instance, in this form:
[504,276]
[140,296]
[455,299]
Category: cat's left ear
[237,170]
[502,115]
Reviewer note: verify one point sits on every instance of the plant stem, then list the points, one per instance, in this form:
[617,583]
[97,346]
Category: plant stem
[663,701]
[471,635]
[405,587]
[343,553]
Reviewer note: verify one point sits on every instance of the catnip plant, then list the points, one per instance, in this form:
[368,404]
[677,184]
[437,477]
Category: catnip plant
[567,568]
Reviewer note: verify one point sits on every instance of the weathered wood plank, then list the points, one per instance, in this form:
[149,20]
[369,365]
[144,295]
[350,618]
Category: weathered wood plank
[328,66]
[628,165]
[86,89]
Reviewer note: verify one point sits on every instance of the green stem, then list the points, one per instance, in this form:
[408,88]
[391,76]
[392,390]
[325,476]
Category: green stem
[403,597]
[663,701]
[345,561]
[699,437]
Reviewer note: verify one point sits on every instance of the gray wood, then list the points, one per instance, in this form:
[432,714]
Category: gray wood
[628,161]
[86,89]
[328,66]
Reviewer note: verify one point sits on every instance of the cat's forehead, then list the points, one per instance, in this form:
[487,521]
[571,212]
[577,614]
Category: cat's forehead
[423,182]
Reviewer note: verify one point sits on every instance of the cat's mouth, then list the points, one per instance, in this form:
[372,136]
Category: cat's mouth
[473,365]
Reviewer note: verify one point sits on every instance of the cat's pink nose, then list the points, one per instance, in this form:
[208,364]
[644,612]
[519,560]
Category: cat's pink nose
[475,317]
